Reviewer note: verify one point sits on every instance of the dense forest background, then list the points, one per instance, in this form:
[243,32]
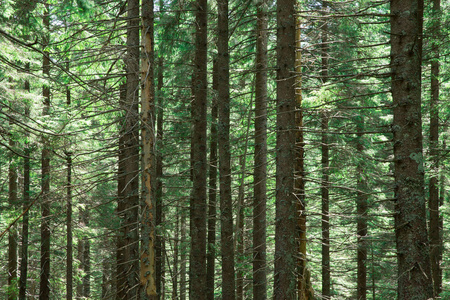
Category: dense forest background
[224,149]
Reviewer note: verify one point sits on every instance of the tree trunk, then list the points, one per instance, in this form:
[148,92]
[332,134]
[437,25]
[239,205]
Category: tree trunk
[260,171]
[26,201]
[86,259]
[44,287]
[211,255]
[434,233]
[198,201]
[361,209]
[226,206]
[148,268]
[159,186]
[12,234]
[285,281]
[326,274]
[183,256]
[69,260]
[414,274]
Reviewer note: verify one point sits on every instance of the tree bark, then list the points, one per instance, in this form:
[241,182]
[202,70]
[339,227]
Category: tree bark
[433,204]
[285,281]
[12,234]
[197,282]
[148,269]
[361,209]
[414,274]
[69,259]
[212,209]
[44,286]
[226,209]
[260,169]
[326,272]
[26,201]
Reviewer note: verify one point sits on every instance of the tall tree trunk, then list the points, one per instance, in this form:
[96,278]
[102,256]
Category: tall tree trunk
[12,234]
[86,258]
[414,272]
[130,197]
[212,196]
[305,290]
[148,269]
[120,263]
[285,283]
[69,260]
[175,256]
[80,257]
[361,209]
[326,274]
[434,233]
[159,186]
[26,201]
[260,170]
[326,268]
[226,206]
[183,256]
[197,282]
[44,287]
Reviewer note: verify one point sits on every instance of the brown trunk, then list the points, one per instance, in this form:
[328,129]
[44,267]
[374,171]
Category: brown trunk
[44,287]
[414,272]
[305,290]
[326,274]
[80,257]
[120,288]
[12,234]
[26,201]
[197,282]
[260,172]
[159,175]
[226,206]
[175,256]
[434,233]
[69,260]
[183,257]
[285,281]
[361,209]
[211,255]
[148,260]
[86,259]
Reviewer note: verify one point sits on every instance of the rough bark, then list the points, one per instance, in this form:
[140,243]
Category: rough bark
[414,272]
[361,210]
[26,201]
[226,209]
[285,281]
[433,204]
[148,271]
[12,234]
[212,196]
[197,282]
[260,169]
[159,174]
[69,259]
[326,272]
[44,286]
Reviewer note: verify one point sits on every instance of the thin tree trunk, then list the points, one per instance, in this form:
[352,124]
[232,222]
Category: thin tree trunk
[183,256]
[80,257]
[326,274]
[226,206]
[260,171]
[434,233]
[44,287]
[26,201]
[212,210]
[159,175]
[414,272]
[197,282]
[361,208]
[120,263]
[175,256]
[148,265]
[305,290]
[12,234]
[285,281]
[69,260]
